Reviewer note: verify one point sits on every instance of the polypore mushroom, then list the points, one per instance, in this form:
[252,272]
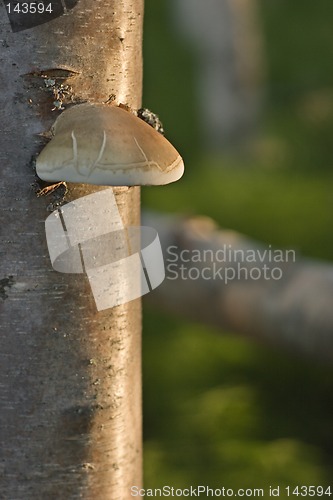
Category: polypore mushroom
[107,145]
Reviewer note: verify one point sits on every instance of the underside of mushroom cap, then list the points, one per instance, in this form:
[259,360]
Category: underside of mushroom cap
[107,145]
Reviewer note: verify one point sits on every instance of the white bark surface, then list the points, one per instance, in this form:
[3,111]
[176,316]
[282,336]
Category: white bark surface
[294,312]
[227,42]
[70,377]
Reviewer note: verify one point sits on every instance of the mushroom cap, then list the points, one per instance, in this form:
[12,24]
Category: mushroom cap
[107,145]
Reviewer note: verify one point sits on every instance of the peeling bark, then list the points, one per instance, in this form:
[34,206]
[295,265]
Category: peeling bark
[70,390]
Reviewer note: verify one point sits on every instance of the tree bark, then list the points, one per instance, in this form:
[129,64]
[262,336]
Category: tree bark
[226,35]
[70,392]
[291,308]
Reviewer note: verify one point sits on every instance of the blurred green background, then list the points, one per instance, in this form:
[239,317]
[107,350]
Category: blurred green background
[218,409]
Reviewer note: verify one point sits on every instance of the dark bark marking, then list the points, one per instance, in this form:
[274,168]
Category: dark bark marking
[5,285]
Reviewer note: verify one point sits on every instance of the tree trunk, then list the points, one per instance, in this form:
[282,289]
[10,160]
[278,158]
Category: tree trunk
[226,37]
[70,392]
[240,285]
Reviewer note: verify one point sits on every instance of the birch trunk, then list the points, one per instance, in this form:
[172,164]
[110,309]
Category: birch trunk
[285,302]
[70,376]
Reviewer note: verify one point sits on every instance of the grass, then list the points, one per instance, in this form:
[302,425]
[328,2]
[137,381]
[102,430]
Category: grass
[219,409]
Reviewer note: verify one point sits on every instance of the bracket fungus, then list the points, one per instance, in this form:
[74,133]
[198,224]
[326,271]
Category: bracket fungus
[107,145]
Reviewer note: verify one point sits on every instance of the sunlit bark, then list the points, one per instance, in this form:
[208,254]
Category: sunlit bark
[70,377]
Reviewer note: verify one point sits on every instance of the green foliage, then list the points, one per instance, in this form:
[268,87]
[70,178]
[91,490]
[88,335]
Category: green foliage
[281,208]
[221,410]
[218,409]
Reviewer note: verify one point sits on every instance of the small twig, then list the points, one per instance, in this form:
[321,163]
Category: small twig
[50,189]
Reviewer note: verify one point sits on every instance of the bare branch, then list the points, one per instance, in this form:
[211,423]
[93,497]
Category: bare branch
[291,308]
